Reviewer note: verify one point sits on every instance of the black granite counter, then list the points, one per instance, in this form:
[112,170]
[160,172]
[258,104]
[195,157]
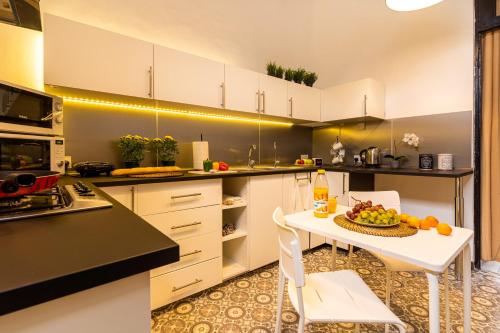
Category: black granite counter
[49,257]
[117,181]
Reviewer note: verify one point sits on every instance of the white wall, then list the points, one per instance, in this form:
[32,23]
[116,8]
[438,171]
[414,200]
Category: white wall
[21,54]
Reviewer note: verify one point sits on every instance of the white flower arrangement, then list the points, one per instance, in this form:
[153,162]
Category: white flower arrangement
[411,139]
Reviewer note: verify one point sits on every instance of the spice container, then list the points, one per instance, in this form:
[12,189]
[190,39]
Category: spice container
[445,161]
[425,161]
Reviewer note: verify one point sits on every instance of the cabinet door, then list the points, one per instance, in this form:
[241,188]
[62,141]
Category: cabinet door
[84,57]
[295,195]
[304,102]
[186,78]
[338,185]
[273,96]
[264,196]
[241,89]
[353,100]
[126,195]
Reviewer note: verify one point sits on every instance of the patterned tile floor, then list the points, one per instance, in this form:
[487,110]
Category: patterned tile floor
[248,303]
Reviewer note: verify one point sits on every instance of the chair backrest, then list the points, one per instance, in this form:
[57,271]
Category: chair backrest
[290,250]
[388,199]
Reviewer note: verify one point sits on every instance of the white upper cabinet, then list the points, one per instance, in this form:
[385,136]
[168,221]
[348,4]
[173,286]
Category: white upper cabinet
[241,89]
[273,96]
[304,102]
[363,98]
[81,56]
[185,78]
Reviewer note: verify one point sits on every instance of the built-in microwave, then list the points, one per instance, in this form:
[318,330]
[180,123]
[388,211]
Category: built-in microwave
[20,152]
[23,110]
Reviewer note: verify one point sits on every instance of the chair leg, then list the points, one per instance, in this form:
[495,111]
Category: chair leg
[388,290]
[301,325]
[281,292]
[447,301]
[356,328]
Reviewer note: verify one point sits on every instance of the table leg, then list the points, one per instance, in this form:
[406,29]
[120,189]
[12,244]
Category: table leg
[334,255]
[467,285]
[459,221]
[349,258]
[434,324]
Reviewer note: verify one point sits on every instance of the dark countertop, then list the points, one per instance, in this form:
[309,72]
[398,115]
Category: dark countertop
[117,181]
[49,257]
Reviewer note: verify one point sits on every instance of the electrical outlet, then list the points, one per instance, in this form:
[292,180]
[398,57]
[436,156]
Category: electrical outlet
[68,159]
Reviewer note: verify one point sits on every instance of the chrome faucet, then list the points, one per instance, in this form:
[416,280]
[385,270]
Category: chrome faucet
[276,162]
[251,163]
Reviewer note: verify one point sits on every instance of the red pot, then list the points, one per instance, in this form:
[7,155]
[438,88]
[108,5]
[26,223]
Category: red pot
[16,183]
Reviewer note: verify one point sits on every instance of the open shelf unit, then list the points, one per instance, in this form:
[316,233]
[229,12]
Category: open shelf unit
[235,245]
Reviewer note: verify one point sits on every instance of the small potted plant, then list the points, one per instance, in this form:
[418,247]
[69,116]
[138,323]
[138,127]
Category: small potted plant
[166,148]
[298,75]
[279,72]
[310,78]
[289,74]
[132,149]
[410,139]
[271,68]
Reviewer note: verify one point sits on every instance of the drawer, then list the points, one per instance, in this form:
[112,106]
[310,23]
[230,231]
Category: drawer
[173,286]
[167,197]
[187,223]
[194,250]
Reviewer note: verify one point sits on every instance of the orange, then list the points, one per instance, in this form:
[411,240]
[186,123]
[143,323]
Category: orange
[432,221]
[425,224]
[413,222]
[444,229]
[404,217]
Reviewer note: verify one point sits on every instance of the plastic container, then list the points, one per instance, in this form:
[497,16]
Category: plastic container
[320,202]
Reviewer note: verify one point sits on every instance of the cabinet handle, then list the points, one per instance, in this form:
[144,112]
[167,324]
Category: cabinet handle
[343,183]
[190,253]
[263,102]
[185,225]
[185,196]
[364,105]
[132,190]
[291,106]
[223,88]
[258,101]
[150,71]
[186,285]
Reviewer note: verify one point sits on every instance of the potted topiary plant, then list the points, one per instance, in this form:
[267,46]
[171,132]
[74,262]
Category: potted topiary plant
[271,68]
[298,75]
[279,72]
[310,78]
[132,149]
[289,74]
[166,148]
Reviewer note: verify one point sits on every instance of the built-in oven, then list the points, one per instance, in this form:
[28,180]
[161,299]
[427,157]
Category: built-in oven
[23,110]
[20,152]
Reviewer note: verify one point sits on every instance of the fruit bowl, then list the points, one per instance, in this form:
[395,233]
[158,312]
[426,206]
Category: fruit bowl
[367,214]
[372,224]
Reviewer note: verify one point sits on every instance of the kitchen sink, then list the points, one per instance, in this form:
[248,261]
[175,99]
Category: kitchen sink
[266,168]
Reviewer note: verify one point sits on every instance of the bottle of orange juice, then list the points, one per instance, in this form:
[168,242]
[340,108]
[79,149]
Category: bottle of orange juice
[320,203]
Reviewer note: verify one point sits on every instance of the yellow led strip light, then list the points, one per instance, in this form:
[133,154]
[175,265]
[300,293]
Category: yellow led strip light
[127,106]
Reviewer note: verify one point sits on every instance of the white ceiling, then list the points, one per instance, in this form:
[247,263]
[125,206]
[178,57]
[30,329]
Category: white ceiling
[339,39]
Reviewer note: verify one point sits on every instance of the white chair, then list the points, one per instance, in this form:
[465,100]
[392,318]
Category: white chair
[340,296]
[390,199]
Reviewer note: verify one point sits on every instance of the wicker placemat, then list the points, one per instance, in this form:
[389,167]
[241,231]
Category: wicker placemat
[401,230]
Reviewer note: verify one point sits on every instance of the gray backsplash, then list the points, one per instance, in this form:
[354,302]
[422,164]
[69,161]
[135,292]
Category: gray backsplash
[441,133]
[91,132]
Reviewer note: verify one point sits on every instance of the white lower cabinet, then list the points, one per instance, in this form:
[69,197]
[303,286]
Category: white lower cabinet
[170,287]
[266,193]
[126,195]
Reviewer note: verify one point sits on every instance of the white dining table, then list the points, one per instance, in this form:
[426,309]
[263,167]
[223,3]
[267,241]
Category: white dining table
[427,249]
